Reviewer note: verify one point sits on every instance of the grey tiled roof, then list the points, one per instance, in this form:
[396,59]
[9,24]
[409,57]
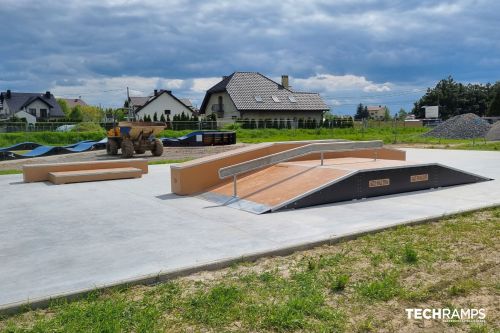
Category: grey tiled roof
[139,101]
[72,102]
[243,87]
[186,102]
[18,100]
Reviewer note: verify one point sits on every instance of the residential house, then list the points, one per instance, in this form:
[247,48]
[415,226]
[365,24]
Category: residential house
[23,105]
[251,95]
[377,112]
[187,102]
[72,102]
[162,102]
[137,102]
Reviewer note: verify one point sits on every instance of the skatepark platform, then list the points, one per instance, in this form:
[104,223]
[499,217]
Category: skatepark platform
[296,177]
[302,184]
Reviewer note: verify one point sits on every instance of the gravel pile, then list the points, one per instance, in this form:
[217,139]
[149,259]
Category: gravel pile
[464,126]
[494,133]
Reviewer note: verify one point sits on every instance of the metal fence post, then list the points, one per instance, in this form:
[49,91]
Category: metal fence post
[235,193]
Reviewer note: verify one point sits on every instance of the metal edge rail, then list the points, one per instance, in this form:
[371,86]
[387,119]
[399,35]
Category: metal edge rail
[269,160]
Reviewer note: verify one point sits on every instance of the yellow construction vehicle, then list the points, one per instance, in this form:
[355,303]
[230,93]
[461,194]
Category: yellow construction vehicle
[135,136]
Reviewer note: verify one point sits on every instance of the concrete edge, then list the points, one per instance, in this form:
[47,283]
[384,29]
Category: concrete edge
[151,279]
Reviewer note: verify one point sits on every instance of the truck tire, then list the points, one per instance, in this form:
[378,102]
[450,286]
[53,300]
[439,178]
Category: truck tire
[140,150]
[127,148]
[112,147]
[157,148]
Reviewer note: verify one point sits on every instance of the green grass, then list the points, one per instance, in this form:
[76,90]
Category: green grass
[10,172]
[336,288]
[401,135]
[48,138]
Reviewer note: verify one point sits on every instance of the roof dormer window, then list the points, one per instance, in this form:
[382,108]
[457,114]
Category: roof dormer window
[292,98]
[258,99]
[275,98]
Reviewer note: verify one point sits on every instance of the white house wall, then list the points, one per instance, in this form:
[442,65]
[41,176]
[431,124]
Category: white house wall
[37,105]
[162,103]
[229,107]
[30,119]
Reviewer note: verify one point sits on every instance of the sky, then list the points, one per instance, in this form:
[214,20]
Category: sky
[375,52]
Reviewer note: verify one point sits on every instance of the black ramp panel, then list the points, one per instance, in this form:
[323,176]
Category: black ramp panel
[373,183]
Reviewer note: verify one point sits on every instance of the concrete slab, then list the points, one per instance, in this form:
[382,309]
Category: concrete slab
[66,239]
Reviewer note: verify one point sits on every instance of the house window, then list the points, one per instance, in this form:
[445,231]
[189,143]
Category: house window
[167,112]
[32,111]
[43,113]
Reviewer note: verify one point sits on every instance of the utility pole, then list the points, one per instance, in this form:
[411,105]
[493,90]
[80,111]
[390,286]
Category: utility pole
[131,116]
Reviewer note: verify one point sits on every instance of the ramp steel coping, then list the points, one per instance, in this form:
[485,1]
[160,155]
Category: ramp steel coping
[261,162]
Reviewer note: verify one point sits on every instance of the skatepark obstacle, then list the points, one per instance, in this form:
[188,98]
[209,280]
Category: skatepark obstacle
[84,171]
[277,176]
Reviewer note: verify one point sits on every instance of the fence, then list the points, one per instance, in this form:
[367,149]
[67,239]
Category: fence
[8,127]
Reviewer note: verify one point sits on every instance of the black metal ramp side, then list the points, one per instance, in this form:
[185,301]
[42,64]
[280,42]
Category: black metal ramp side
[384,181]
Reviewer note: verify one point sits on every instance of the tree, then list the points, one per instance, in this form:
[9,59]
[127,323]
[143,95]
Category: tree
[64,107]
[155,117]
[402,114]
[76,114]
[387,114]
[494,108]
[454,98]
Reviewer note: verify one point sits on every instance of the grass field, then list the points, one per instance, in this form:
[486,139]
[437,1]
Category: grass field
[400,135]
[362,285]
[48,138]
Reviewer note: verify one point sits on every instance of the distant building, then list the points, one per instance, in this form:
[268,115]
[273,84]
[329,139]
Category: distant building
[41,106]
[251,95]
[162,102]
[137,102]
[377,112]
[72,102]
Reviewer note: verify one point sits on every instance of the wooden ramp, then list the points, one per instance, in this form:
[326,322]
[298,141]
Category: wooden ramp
[298,184]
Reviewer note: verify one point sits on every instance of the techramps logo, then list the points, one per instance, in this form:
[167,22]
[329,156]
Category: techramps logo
[448,315]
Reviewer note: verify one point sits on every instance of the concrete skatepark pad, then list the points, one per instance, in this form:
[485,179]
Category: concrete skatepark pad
[60,241]
[296,178]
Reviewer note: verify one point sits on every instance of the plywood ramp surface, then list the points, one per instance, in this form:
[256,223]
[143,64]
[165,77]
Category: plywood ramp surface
[279,183]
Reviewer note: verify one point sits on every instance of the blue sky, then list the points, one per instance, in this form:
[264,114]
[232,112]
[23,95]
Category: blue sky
[374,52]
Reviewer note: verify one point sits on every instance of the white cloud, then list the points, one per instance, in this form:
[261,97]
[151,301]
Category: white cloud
[201,85]
[335,83]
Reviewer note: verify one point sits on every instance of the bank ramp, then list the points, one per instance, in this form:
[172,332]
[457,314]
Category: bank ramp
[325,172]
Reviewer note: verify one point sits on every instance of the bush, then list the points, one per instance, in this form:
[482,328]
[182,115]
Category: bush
[88,127]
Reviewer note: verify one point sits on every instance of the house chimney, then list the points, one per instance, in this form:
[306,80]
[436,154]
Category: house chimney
[224,77]
[284,81]
[156,92]
[8,94]
[47,94]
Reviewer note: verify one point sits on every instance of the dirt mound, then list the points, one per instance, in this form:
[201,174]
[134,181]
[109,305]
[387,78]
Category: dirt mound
[464,126]
[494,133]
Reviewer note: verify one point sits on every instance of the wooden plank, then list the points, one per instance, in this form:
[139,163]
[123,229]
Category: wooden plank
[64,177]
[40,172]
